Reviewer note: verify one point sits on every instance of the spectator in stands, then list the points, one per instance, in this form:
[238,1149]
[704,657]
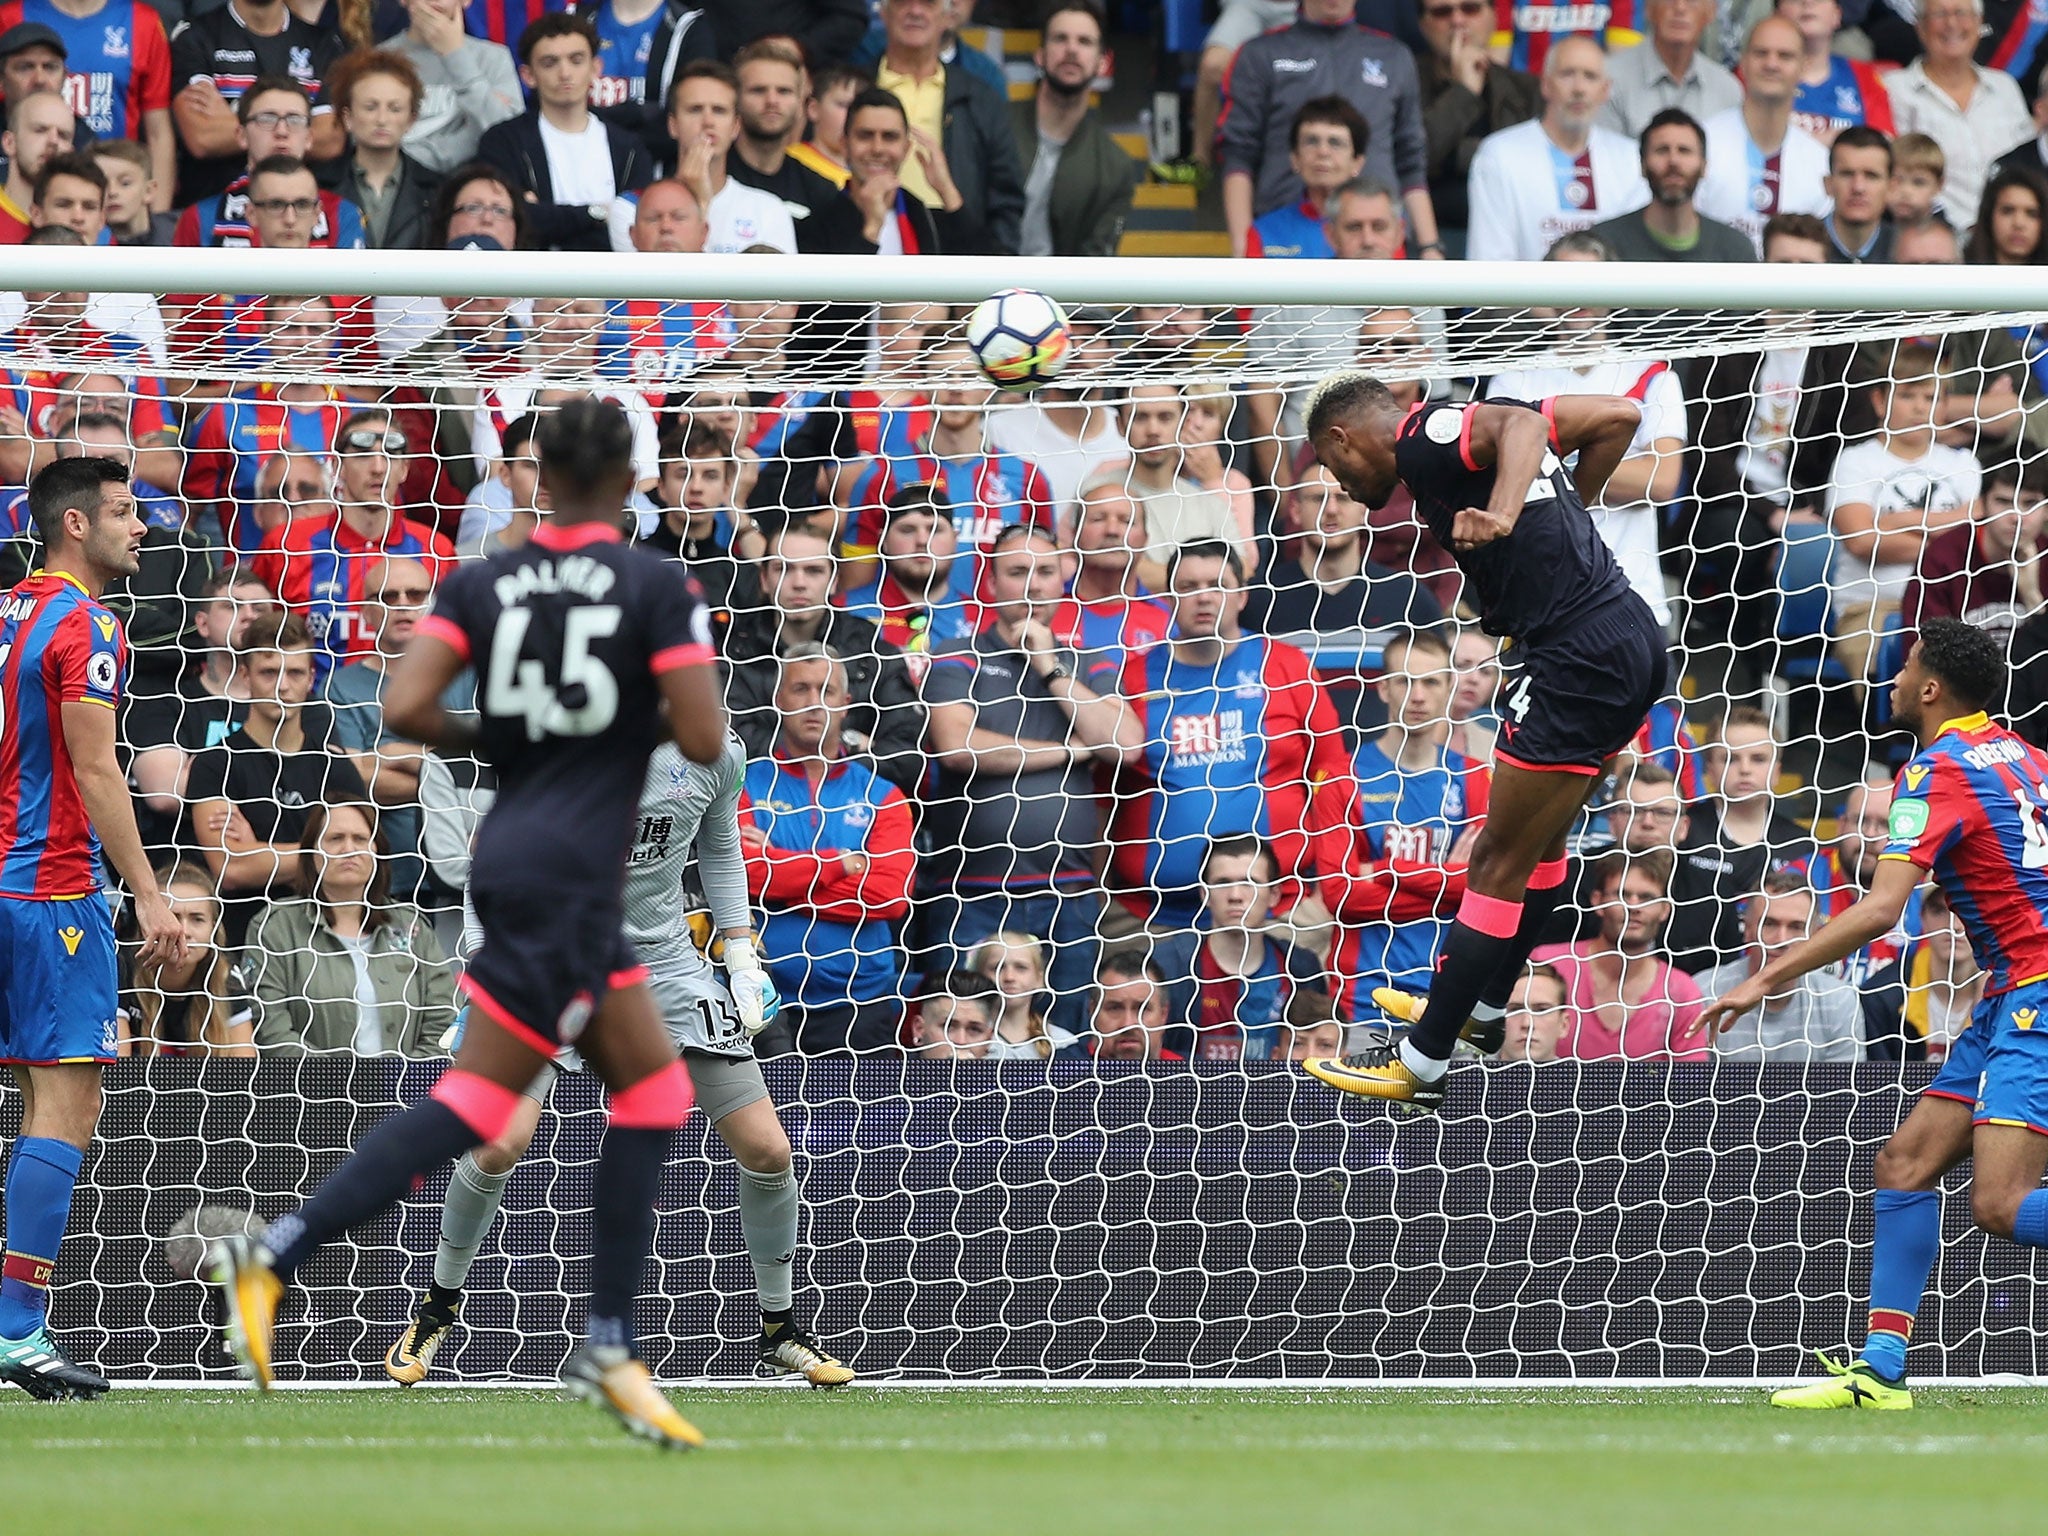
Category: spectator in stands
[955,119]
[770,72]
[2010,230]
[696,492]
[2028,156]
[1835,93]
[1841,872]
[829,862]
[1623,997]
[70,191]
[913,599]
[1229,981]
[345,966]
[877,212]
[1915,1008]
[1237,737]
[1130,1020]
[1859,178]
[1890,496]
[82,427]
[468,84]
[1017,733]
[1267,86]
[318,565]
[1334,589]
[1731,842]
[1416,810]
[395,593]
[956,1018]
[1818,1018]
[1769,427]
[1107,615]
[884,721]
[164,728]
[1987,571]
[1520,204]
[1759,161]
[1015,962]
[379,96]
[130,212]
[1326,152]
[1668,72]
[1986,381]
[477,199]
[39,126]
[1314,1032]
[248,796]
[703,116]
[1919,169]
[574,169]
[1064,430]
[1237,23]
[1466,96]
[1078,182]
[215,58]
[833,87]
[1975,114]
[1475,712]
[1177,511]
[273,120]
[1537,1017]
[1669,227]
[1629,509]
[503,511]
[197,1006]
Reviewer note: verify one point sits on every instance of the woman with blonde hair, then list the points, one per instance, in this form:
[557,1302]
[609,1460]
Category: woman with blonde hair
[199,1005]
[1016,963]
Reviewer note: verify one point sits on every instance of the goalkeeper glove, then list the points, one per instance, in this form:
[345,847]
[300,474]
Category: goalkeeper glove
[753,989]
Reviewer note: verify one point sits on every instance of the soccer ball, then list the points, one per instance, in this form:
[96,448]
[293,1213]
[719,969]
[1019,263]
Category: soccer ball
[1019,337]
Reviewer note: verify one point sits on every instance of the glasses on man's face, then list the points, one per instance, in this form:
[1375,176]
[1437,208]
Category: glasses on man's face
[401,597]
[300,207]
[484,210]
[370,439]
[280,120]
[1463,8]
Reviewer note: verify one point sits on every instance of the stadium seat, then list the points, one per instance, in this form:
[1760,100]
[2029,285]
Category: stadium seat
[1804,555]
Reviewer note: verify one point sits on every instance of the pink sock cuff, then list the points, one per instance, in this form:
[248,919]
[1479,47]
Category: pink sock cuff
[1490,915]
[482,1105]
[1549,875]
[658,1102]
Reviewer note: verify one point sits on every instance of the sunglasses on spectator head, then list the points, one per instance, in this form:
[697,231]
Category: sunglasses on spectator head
[368,439]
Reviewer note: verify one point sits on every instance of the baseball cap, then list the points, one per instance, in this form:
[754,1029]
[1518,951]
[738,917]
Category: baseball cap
[28,34]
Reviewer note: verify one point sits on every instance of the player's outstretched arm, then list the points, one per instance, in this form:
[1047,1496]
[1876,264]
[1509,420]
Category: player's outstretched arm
[1600,429]
[89,739]
[412,696]
[1870,919]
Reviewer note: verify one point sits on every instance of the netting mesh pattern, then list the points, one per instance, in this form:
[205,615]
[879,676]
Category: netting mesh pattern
[1063,1212]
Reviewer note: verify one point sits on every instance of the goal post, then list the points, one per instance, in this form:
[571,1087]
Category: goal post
[1657,1210]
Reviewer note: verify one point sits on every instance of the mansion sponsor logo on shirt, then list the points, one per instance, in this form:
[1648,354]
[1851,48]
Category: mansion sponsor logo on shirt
[1214,738]
[1423,845]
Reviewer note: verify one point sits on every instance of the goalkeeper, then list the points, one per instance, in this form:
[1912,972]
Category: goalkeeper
[683,806]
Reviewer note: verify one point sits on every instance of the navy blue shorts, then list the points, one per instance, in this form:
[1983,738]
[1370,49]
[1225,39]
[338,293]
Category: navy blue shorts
[1580,694]
[546,963]
[58,995]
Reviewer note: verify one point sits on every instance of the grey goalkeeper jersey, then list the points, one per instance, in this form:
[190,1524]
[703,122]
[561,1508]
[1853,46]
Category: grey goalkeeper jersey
[686,807]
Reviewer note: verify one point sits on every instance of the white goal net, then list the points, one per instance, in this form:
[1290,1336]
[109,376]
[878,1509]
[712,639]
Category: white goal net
[1048,955]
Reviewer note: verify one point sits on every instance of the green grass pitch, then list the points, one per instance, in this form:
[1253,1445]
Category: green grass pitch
[903,1463]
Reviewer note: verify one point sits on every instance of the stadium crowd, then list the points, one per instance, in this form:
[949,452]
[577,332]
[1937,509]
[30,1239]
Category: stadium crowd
[1100,724]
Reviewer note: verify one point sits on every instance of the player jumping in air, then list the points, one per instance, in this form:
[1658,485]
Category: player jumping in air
[577,641]
[1490,482]
[1971,808]
[684,806]
[63,661]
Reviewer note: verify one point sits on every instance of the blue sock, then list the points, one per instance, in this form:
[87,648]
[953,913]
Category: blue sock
[40,1175]
[2031,1225]
[1902,1256]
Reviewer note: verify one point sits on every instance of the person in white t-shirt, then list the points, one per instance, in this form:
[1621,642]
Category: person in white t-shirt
[1759,162]
[1537,181]
[1063,431]
[1630,505]
[1890,495]
[704,118]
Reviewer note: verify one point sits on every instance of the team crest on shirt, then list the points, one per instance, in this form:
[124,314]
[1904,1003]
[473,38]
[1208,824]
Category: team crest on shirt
[860,814]
[1845,100]
[301,62]
[1576,194]
[1373,73]
[115,43]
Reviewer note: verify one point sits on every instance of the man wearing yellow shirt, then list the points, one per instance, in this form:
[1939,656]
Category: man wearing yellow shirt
[966,116]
